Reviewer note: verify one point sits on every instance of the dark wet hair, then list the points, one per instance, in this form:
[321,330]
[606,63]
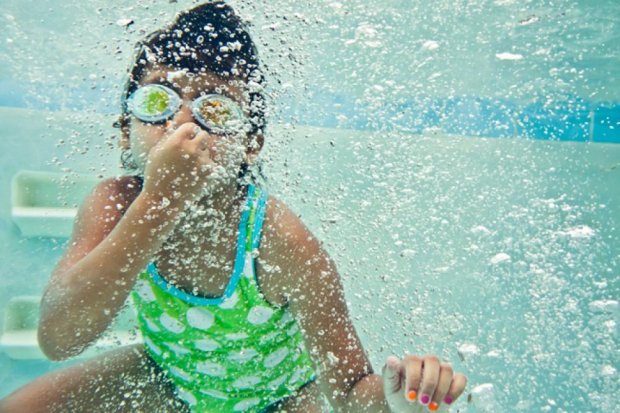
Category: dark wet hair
[209,37]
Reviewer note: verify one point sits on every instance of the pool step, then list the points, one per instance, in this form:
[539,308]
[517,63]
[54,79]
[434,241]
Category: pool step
[45,203]
[18,338]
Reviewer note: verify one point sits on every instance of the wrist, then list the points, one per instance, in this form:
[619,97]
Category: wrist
[367,396]
[156,204]
[175,193]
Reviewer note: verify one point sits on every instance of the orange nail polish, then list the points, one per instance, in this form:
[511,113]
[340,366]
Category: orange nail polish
[412,395]
[433,406]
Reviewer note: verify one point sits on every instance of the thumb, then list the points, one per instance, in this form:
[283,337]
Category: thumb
[393,374]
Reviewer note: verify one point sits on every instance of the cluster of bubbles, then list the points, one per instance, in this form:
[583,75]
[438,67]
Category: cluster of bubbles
[487,253]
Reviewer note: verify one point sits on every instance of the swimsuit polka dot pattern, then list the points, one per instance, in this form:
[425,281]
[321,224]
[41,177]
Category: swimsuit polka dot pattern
[229,354]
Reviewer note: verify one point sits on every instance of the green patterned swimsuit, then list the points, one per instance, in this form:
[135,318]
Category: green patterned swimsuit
[228,354]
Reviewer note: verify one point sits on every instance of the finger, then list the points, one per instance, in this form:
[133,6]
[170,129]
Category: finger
[200,141]
[457,387]
[204,141]
[187,131]
[413,376]
[211,145]
[196,130]
[430,378]
[207,154]
[443,386]
[393,375]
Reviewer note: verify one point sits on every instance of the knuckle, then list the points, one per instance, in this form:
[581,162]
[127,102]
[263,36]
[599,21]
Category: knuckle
[460,382]
[188,126]
[392,362]
[447,368]
[186,130]
[431,358]
[176,139]
[410,358]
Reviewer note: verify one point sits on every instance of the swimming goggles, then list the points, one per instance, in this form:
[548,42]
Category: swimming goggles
[156,103]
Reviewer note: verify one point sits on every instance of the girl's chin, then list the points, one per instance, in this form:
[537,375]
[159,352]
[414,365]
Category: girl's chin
[220,179]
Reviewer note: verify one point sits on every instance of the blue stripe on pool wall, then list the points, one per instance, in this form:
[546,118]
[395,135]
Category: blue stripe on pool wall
[570,120]
[475,116]
[606,124]
[564,122]
[12,94]
[573,119]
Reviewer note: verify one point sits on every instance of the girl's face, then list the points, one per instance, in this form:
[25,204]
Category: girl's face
[229,151]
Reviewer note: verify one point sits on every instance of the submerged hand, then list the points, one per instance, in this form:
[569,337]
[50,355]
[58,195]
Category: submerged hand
[180,164]
[416,385]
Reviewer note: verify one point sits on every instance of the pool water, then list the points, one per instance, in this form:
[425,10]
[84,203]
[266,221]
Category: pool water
[460,163]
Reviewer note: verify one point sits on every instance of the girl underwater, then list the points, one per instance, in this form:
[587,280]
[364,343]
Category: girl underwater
[274,336]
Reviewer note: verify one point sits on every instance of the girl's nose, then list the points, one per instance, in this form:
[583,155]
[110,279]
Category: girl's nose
[183,115]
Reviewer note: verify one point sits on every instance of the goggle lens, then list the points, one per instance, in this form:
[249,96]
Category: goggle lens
[153,103]
[217,113]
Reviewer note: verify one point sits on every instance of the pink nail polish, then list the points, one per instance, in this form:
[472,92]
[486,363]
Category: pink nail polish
[448,400]
[425,398]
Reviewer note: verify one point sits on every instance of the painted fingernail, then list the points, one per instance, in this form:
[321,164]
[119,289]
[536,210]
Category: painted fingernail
[425,398]
[448,400]
[412,395]
[433,406]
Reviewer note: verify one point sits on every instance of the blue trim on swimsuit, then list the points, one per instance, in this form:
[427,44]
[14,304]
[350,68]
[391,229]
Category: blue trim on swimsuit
[260,215]
[236,276]
[256,231]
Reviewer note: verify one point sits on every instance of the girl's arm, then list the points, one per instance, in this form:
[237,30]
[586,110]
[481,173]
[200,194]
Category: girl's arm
[115,234]
[109,248]
[309,281]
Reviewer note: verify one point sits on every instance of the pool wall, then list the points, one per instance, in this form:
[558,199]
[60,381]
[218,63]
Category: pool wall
[499,255]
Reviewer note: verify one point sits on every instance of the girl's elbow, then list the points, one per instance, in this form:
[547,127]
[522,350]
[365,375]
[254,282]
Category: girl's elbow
[53,354]
[53,346]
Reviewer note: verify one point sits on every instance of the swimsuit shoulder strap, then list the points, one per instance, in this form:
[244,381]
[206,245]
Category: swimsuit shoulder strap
[256,217]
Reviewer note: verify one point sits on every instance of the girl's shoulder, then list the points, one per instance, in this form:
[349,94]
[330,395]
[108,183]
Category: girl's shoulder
[101,210]
[123,190]
[280,221]
[286,244]
[110,198]
[283,228]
